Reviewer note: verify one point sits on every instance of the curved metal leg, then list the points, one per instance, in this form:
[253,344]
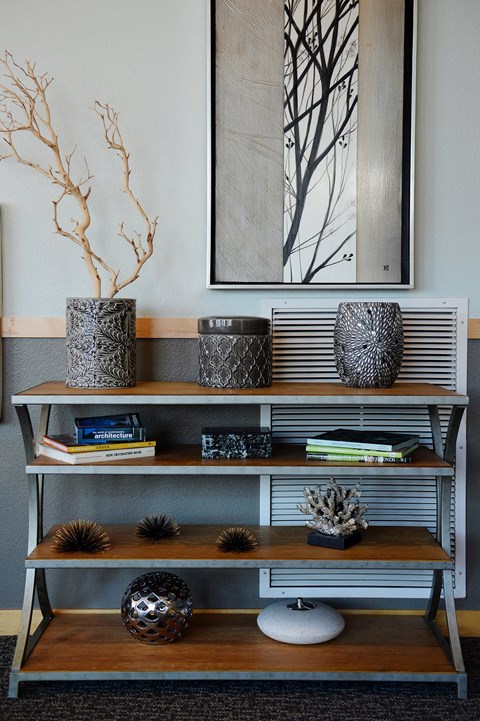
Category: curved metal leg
[436,428]
[35,579]
[25,421]
[435,594]
[452,433]
[26,641]
[453,636]
[452,626]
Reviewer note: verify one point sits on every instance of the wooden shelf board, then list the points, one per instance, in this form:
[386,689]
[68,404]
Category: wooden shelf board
[278,546]
[231,645]
[156,392]
[286,459]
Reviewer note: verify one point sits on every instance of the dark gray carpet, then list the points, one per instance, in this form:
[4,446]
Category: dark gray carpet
[240,701]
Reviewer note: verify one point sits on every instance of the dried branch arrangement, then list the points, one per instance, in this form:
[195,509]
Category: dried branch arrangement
[337,512]
[25,111]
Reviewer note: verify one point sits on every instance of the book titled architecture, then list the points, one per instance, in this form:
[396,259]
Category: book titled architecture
[364,439]
[67,443]
[110,429]
[350,451]
[95,456]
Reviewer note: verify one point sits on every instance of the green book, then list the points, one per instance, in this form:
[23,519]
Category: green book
[344,450]
[344,458]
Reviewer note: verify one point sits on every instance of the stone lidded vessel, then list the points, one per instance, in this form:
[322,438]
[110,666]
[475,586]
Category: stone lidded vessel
[368,343]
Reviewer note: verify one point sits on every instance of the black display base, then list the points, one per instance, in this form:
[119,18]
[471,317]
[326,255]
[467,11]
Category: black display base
[321,539]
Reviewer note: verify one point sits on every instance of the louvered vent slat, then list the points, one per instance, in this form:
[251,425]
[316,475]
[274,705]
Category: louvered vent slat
[435,352]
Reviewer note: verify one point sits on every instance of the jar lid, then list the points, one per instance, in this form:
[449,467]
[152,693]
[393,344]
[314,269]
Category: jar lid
[234,325]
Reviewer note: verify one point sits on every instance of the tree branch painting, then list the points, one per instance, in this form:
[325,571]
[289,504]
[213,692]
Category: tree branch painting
[320,122]
[313,107]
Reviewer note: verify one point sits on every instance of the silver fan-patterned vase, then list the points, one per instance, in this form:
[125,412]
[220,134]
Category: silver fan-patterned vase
[368,343]
[100,343]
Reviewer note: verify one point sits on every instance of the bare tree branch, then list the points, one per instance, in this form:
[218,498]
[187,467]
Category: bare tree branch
[24,109]
[319,121]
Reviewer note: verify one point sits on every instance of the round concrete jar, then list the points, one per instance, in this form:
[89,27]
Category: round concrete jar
[300,622]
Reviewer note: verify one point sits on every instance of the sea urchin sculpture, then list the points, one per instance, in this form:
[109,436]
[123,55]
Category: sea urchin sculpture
[236,540]
[335,513]
[81,535]
[153,528]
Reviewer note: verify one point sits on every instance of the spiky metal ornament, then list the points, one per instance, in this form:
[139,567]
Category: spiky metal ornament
[236,540]
[81,535]
[335,513]
[153,528]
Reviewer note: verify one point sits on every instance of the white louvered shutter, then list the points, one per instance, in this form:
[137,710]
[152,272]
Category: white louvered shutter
[435,352]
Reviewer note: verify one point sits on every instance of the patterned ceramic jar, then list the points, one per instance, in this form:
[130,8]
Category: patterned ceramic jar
[101,345]
[368,343]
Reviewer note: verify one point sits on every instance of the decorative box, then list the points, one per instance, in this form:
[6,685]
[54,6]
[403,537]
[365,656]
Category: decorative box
[234,352]
[236,443]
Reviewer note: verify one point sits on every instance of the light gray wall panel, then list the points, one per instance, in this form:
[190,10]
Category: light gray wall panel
[249,141]
[380,112]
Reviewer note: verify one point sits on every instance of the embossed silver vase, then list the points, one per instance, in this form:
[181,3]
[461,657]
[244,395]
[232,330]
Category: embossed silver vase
[101,343]
[368,343]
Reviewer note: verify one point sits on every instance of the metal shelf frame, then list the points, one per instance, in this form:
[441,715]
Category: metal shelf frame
[156,393]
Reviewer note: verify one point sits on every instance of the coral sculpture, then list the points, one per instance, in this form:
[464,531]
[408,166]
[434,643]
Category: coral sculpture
[236,540]
[335,513]
[81,535]
[153,528]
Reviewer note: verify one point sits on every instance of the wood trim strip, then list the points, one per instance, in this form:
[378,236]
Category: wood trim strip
[44,327]
[39,327]
[474,327]
[468,621]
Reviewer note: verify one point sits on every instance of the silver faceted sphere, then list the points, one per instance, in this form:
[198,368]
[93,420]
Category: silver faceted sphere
[368,344]
[156,607]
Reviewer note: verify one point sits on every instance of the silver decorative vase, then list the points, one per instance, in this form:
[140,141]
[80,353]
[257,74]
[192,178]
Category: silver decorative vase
[101,343]
[368,344]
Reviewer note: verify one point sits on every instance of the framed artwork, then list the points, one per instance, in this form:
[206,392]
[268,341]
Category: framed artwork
[312,141]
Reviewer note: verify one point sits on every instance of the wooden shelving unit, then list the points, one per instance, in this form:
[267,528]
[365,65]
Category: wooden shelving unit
[94,645]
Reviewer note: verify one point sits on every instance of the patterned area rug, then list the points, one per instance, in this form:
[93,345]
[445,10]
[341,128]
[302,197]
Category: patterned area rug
[240,700]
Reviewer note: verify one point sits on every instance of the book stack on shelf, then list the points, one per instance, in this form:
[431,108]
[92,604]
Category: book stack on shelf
[357,446]
[100,438]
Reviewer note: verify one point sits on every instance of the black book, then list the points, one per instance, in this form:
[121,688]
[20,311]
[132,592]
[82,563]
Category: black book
[372,440]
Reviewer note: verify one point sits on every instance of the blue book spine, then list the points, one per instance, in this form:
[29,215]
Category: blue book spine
[110,435]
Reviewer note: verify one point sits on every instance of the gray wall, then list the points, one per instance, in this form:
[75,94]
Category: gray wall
[216,500]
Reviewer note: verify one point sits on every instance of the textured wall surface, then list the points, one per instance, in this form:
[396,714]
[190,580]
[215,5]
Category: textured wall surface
[123,499]
[150,61]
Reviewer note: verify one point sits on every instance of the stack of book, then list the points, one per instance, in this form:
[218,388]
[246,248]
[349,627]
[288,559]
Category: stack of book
[357,446]
[100,438]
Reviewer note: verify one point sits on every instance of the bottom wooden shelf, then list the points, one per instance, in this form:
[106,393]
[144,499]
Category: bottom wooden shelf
[230,646]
